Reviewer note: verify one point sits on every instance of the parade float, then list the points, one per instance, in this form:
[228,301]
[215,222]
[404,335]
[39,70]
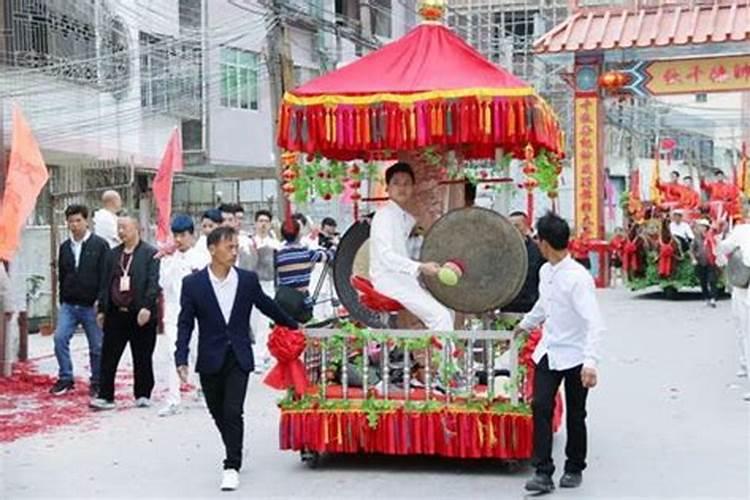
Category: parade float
[377,382]
[651,255]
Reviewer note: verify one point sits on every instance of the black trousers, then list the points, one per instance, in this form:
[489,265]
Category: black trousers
[708,277]
[546,384]
[121,328]
[225,396]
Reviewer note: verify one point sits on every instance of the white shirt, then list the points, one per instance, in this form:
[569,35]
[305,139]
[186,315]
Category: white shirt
[567,308]
[225,291]
[200,252]
[105,226]
[172,270]
[738,237]
[389,233]
[77,246]
[268,241]
[682,230]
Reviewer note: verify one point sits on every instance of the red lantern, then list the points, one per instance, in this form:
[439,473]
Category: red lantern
[356,196]
[322,174]
[613,80]
[355,184]
[529,169]
[530,184]
[288,188]
[289,175]
[327,196]
[354,170]
[288,158]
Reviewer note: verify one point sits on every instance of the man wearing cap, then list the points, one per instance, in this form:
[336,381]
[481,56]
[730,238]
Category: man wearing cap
[394,274]
[681,229]
[703,249]
[184,261]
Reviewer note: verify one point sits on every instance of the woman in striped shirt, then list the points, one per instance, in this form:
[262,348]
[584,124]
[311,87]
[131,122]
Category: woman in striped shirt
[294,262]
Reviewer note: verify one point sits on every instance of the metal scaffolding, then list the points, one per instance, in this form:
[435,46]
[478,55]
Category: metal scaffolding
[504,31]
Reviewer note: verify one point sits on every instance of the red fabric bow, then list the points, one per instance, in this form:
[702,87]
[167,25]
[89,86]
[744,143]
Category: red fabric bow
[286,346]
[666,252]
[630,258]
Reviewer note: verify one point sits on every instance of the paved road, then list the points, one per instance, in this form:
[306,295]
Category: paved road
[667,421]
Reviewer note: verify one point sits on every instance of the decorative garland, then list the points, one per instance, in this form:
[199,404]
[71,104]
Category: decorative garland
[324,179]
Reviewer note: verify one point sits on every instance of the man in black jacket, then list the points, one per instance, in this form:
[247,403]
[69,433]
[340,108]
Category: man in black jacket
[527,297]
[82,266]
[127,310]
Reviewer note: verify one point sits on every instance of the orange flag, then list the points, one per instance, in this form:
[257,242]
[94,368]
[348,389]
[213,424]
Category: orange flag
[171,162]
[27,175]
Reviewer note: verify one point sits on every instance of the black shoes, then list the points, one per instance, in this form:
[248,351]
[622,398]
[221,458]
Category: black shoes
[62,387]
[540,483]
[571,480]
[94,390]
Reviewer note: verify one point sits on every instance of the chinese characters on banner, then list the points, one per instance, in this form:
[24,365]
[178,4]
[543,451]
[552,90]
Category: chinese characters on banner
[714,74]
[588,201]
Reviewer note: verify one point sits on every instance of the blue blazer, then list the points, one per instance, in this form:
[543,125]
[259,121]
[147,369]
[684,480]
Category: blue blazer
[215,336]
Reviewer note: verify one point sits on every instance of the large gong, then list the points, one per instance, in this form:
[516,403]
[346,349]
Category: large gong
[353,258]
[491,251]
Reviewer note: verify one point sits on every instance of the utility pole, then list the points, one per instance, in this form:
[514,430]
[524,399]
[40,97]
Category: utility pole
[281,77]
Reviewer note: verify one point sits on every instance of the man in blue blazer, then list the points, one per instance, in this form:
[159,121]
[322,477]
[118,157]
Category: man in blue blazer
[221,298]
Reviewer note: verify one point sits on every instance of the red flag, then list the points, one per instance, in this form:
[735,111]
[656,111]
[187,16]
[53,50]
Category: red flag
[171,162]
[27,175]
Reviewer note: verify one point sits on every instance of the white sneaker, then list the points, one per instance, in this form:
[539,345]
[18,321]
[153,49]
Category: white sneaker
[742,372]
[142,403]
[746,397]
[712,303]
[101,404]
[169,410]
[230,480]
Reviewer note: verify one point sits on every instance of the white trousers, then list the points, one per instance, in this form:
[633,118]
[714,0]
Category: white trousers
[406,290]
[259,324]
[741,315]
[173,380]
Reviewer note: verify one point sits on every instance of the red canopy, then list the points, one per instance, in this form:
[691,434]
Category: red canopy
[427,89]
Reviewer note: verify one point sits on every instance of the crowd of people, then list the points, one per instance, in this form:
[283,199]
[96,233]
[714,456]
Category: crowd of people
[120,289]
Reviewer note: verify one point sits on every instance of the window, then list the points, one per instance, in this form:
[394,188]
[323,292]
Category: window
[192,135]
[518,29]
[239,79]
[303,75]
[381,17]
[155,71]
[190,16]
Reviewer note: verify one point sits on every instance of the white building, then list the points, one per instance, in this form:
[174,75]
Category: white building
[104,82]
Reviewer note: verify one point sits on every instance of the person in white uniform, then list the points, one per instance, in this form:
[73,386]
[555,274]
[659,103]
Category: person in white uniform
[738,240]
[105,219]
[184,261]
[210,220]
[393,273]
[264,245]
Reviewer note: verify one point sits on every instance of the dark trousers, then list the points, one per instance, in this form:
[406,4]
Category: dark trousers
[546,384]
[707,276]
[225,396]
[121,328]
